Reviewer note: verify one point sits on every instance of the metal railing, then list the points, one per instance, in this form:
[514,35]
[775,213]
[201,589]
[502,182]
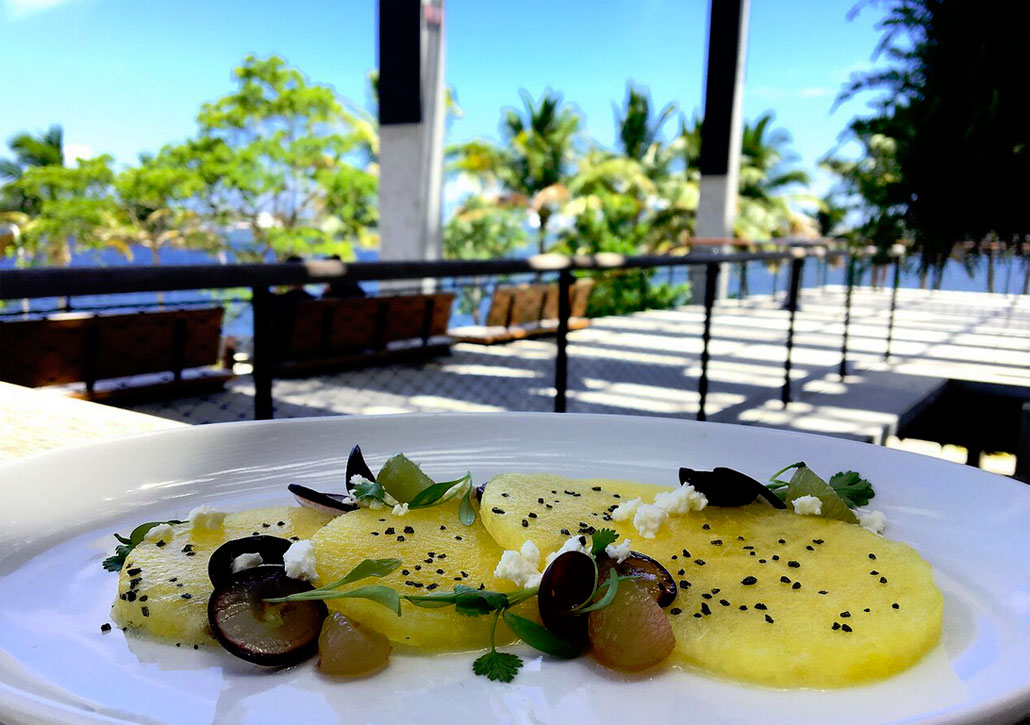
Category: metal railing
[261,279]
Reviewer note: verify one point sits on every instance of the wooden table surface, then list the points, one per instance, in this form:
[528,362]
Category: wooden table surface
[35,421]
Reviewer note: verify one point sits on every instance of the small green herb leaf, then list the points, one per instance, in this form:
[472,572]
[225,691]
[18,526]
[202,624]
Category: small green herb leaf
[600,539]
[377,593]
[367,568]
[539,637]
[115,563]
[498,666]
[850,486]
[466,511]
[369,491]
[610,589]
[433,495]
[475,602]
[805,482]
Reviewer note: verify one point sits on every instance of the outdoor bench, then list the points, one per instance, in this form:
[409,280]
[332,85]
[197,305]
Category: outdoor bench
[322,334]
[529,310]
[105,356]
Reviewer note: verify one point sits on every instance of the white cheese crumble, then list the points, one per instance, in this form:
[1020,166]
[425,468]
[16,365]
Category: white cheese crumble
[624,511]
[648,519]
[874,521]
[400,509]
[808,506]
[530,552]
[574,543]
[680,501]
[300,561]
[620,552]
[246,561]
[205,517]
[516,568]
[161,532]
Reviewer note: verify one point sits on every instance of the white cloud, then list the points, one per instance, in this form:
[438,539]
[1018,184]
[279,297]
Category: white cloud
[73,151]
[18,9]
[814,92]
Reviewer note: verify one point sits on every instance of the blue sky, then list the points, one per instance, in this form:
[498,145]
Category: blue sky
[124,76]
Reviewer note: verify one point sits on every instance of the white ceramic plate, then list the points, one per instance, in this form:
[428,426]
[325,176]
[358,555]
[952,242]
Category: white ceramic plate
[60,510]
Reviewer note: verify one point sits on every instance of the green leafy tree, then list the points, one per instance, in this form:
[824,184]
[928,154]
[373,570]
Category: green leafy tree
[276,156]
[482,229]
[952,98]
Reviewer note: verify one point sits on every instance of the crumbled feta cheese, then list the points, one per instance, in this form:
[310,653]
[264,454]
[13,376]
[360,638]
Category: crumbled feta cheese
[530,552]
[574,543]
[680,501]
[358,478]
[300,561]
[515,567]
[808,506]
[400,509]
[624,511]
[161,532]
[648,519]
[873,521]
[246,561]
[620,552]
[205,517]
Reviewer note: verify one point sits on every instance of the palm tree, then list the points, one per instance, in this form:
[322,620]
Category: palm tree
[639,130]
[46,149]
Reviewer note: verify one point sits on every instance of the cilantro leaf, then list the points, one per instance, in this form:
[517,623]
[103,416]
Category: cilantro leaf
[497,666]
[850,486]
[600,539]
[116,562]
[369,491]
[539,637]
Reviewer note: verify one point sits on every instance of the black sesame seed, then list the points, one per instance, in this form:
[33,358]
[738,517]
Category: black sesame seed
[872,556]
[179,585]
[845,628]
[144,598]
[105,627]
[405,572]
[822,591]
[785,579]
[548,506]
[161,543]
[133,572]
[418,567]
[845,614]
[724,603]
[539,500]
[174,578]
[390,531]
[760,605]
[681,572]
[595,488]
[294,538]
[762,561]
[187,595]
[867,610]
[615,495]
[439,571]
[874,573]
[748,581]
[751,553]
[675,610]
[532,515]
[742,607]
[810,547]
[706,527]
[706,595]
[883,580]
[686,553]
[264,525]
[716,542]
[464,574]
[705,609]
[255,533]
[280,523]
[795,585]
[895,605]
[400,538]
[747,548]
[566,532]
[836,626]
[130,596]
[817,541]
[133,583]
[432,586]
[781,541]
[442,556]
[699,562]
[196,646]
[740,538]
[409,530]
[768,619]
[793,564]
[504,495]
[697,615]
[442,527]
[674,557]
[775,557]
[684,584]
[525,524]
[144,611]
[457,537]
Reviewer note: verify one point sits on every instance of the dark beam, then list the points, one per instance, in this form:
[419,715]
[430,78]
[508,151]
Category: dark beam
[400,61]
[724,34]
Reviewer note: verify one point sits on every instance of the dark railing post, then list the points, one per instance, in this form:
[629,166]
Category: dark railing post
[742,292]
[847,316]
[894,305]
[261,303]
[797,268]
[711,286]
[561,359]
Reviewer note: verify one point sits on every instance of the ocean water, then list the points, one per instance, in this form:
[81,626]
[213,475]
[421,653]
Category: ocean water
[760,280]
